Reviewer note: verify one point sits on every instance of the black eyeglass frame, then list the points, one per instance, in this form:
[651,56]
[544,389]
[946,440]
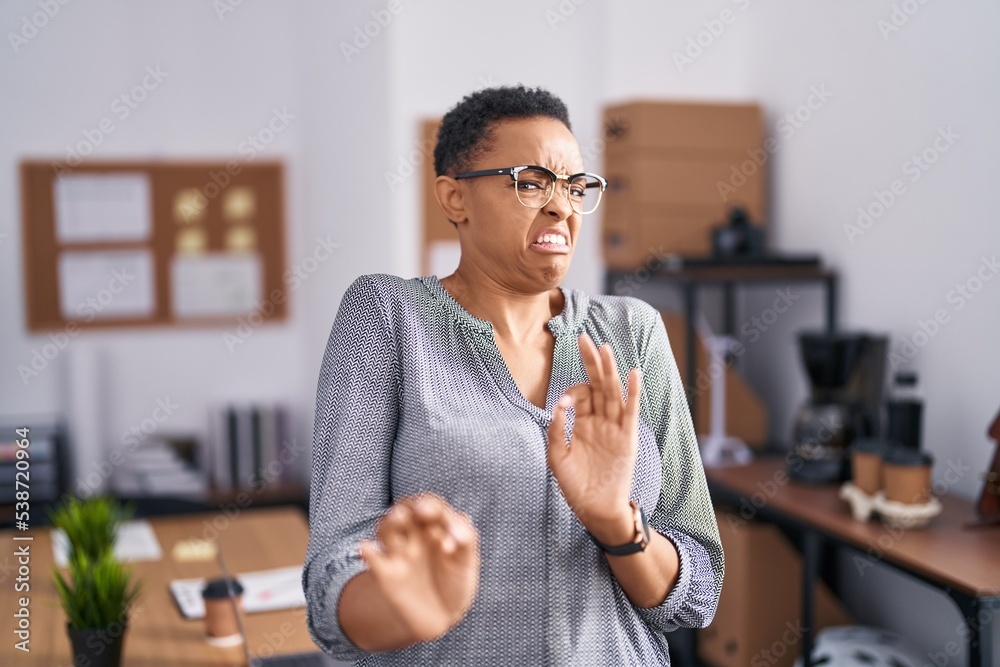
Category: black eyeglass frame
[514,171]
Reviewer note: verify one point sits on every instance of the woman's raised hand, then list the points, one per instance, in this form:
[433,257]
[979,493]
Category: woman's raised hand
[595,471]
[426,562]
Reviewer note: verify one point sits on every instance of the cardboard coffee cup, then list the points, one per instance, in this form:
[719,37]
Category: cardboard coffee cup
[221,625]
[866,464]
[906,476]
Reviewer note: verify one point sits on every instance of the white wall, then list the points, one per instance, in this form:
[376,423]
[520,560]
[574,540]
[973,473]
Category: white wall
[357,115]
[891,92]
[889,99]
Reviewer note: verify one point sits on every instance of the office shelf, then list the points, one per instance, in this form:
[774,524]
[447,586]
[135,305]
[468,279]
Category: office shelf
[692,276]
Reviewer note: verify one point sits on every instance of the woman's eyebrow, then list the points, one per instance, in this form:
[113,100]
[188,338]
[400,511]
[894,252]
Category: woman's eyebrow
[561,169]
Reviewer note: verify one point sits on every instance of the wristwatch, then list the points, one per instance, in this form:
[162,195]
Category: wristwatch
[639,540]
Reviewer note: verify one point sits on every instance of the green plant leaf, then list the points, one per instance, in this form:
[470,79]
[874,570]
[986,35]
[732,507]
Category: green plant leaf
[99,590]
[90,524]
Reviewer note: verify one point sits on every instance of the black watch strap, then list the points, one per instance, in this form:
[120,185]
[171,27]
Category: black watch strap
[628,547]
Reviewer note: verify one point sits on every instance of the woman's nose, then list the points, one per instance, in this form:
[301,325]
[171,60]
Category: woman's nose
[559,206]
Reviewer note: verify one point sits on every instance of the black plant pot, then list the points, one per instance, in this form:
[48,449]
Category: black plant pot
[97,647]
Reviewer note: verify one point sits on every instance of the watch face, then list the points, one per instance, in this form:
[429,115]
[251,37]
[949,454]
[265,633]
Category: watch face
[641,535]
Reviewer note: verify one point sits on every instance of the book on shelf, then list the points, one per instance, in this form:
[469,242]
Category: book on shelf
[246,440]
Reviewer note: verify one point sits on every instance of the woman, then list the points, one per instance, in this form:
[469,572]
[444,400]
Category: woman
[480,439]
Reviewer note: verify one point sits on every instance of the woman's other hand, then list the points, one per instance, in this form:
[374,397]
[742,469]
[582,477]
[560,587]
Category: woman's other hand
[426,563]
[595,471]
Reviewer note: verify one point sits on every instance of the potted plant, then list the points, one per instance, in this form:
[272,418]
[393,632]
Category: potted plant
[97,599]
[90,524]
[99,591]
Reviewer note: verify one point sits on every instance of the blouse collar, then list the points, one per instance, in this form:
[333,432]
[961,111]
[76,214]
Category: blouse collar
[569,321]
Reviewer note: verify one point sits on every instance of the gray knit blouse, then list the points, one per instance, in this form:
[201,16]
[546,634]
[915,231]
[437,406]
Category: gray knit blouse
[414,396]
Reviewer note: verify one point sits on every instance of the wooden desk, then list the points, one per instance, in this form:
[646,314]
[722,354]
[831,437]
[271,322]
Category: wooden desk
[963,563]
[158,636]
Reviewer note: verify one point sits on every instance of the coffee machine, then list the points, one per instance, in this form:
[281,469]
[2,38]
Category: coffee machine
[846,372]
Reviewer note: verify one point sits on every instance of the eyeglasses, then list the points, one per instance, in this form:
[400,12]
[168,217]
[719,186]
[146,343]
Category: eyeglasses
[534,186]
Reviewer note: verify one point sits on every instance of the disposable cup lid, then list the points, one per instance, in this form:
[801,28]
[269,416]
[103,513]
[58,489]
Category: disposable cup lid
[906,456]
[216,589]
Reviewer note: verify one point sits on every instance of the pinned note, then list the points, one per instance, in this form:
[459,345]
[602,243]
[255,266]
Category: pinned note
[239,204]
[193,550]
[106,284]
[215,284]
[102,207]
[189,206]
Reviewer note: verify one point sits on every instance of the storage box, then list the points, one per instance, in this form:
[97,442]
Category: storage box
[758,620]
[636,235]
[696,126]
[688,179]
[674,170]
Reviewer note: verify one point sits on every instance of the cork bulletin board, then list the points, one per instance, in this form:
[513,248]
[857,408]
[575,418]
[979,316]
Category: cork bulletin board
[113,244]
[439,249]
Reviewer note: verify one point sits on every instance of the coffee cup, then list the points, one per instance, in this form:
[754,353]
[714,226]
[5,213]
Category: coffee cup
[906,476]
[866,464]
[221,625]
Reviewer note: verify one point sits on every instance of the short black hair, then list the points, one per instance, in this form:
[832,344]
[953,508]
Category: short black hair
[466,130]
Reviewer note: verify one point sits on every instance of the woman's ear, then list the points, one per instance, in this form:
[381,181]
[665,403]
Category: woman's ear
[450,199]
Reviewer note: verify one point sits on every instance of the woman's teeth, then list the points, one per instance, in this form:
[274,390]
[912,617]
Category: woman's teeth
[557,239]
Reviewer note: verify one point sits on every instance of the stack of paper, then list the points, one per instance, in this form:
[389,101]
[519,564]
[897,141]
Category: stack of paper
[136,541]
[266,590]
[157,470]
